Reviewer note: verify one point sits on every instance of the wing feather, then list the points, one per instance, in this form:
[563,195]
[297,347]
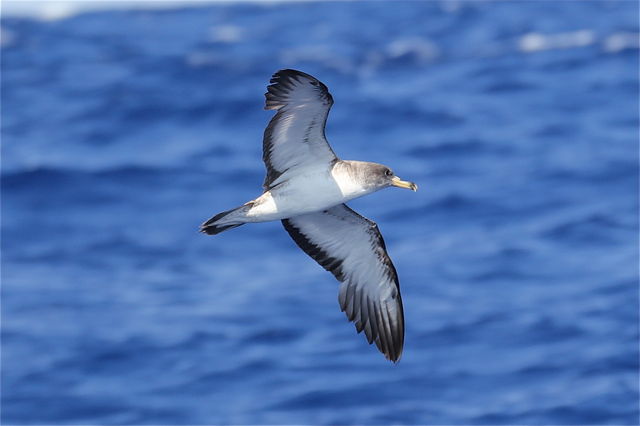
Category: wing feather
[352,249]
[295,135]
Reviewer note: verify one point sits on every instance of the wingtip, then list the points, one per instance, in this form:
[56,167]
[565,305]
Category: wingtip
[284,80]
[206,229]
[395,359]
[289,72]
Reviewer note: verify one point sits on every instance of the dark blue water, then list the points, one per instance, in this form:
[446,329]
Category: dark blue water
[518,258]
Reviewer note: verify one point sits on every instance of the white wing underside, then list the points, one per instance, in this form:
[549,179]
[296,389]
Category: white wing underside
[351,247]
[295,136]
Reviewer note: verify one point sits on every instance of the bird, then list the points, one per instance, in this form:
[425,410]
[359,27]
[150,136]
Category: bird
[306,188]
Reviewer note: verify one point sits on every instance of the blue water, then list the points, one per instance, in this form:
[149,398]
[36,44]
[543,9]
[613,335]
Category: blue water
[518,257]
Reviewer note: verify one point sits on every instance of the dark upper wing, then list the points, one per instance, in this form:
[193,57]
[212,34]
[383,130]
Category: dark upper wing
[351,247]
[295,135]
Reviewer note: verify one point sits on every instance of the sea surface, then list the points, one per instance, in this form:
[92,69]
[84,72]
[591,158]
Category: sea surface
[123,130]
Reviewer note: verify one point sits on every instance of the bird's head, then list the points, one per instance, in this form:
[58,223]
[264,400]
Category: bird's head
[366,177]
[386,177]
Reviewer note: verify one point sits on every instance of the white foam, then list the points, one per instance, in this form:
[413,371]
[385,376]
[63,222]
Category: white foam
[201,59]
[621,41]
[52,10]
[6,38]
[225,34]
[533,42]
[43,10]
[423,49]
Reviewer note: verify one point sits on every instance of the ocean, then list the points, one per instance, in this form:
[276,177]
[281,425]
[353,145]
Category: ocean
[123,130]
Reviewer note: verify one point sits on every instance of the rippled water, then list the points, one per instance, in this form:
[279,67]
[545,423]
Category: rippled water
[122,131]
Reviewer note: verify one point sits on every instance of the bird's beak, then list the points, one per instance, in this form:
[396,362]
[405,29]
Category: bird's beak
[396,181]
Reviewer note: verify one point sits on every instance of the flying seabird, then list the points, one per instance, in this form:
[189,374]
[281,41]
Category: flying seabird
[306,187]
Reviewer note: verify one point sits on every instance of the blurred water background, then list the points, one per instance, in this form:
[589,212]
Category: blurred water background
[122,130]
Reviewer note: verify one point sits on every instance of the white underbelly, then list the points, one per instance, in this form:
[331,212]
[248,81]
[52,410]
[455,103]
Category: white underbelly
[307,193]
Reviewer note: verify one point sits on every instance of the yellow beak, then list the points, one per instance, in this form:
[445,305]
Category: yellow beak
[396,181]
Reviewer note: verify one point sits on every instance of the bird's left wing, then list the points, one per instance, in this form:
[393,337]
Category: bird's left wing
[295,135]
[352,249]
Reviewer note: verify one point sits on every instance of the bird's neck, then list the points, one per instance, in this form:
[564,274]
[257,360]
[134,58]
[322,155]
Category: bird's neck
[350,177]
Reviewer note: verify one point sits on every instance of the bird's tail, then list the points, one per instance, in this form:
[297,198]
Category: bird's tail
[225,220]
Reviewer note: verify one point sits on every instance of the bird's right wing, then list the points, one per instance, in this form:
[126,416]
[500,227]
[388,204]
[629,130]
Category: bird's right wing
[295,135]
[352,249]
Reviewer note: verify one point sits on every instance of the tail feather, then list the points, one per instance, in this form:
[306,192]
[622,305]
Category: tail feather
[216,229]
[210,227]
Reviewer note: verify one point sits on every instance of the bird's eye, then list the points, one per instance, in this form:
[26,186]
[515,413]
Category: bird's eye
[388,172]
